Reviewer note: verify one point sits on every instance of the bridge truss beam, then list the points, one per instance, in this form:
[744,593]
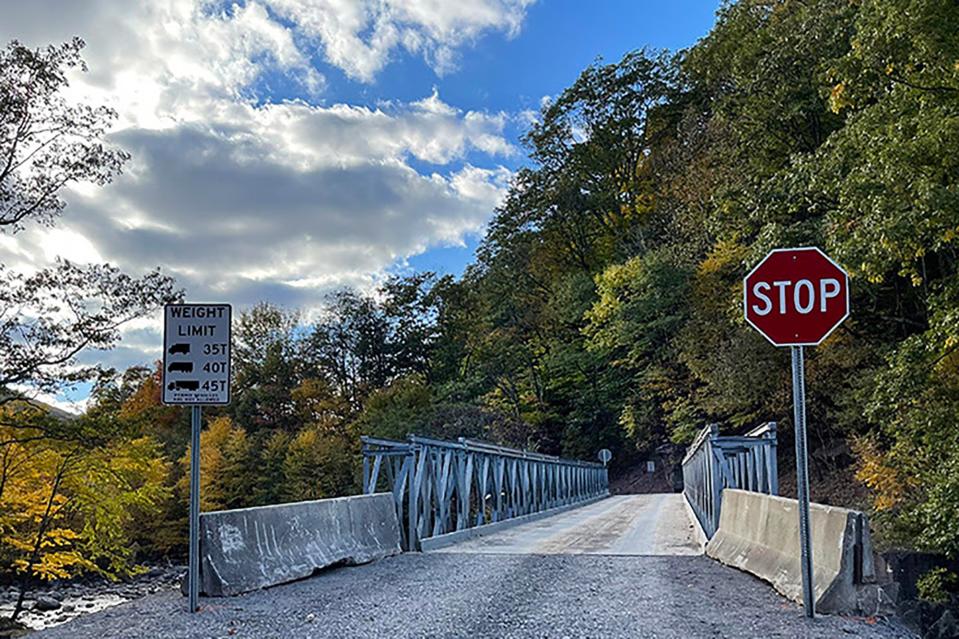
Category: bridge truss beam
[714,462]
[442,486]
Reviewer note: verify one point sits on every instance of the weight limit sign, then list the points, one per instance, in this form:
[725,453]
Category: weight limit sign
[196,354]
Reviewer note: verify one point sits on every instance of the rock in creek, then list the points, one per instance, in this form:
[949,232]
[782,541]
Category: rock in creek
[46,604]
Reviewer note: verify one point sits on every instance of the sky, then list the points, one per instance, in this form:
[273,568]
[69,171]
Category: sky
[285,148]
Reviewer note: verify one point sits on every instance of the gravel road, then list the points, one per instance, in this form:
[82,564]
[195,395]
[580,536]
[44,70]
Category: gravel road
[653,524]
[476,595]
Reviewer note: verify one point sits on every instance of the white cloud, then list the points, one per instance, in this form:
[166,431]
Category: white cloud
[160,63]
[71,403]
[359,36]
[246,201]
[70,245]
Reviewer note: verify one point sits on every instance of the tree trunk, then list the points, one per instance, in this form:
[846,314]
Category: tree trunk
[41,533]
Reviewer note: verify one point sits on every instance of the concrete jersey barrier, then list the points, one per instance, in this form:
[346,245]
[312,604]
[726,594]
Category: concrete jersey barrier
[251,548]
[759,534]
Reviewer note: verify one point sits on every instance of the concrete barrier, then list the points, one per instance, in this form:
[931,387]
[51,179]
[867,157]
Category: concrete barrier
[252,548]
[760,534]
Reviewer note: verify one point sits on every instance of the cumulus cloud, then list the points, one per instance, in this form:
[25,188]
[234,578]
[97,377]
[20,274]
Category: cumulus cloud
[244,200]
[359,36]
[284,194]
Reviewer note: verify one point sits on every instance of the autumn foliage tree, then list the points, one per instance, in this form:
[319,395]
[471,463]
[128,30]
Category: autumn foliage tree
[70,488]
[69,507]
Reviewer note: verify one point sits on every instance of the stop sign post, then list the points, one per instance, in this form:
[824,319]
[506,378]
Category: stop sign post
[796,297]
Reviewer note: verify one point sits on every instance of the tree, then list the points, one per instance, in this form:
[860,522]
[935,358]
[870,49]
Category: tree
[68,507]
[633,324]
[266,368]
[47,143]
[319,464]
[141,410]
[222,443]
[363,343]
[400,409]
[270,481]
[51,316]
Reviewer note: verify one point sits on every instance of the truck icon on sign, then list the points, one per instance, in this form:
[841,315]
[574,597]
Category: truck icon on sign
[188,384]
[180,367]
[180,348]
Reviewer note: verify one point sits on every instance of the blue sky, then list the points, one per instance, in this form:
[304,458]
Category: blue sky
[281,149]
[559,39]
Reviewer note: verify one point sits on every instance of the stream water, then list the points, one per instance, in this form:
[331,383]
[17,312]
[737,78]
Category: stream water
[83,598]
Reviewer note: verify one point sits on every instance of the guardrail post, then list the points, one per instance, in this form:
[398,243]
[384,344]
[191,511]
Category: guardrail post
[771,457]
[716,473]
[366,475]
[412,501]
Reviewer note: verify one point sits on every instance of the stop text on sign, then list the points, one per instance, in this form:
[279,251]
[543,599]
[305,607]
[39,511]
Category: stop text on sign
[803,296]
[796,297]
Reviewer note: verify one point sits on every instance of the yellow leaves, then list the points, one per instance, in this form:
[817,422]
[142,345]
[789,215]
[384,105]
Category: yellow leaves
[56,565]
[60,538]
[220,434]
[889,486]
[59,554]
[872,276]
[22,545]
[724,254]
[715,275]
[610,286]
[66,509]
[317,464]
[838,98]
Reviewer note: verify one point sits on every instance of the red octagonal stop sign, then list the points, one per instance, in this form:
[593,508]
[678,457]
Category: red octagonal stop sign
[796,297]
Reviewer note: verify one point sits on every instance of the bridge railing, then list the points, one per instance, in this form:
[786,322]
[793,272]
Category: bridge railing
[442,486]
[714,462]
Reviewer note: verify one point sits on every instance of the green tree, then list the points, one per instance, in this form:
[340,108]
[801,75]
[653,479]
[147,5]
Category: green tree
[319,464]
[393,412]
[266,367]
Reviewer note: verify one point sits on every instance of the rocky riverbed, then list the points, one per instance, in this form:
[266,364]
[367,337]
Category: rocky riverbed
[60,602]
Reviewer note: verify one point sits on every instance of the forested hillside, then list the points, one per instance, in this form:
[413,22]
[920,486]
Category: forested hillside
[603,308]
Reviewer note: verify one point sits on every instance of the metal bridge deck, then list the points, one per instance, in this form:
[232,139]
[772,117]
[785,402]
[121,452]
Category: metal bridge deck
[655,524]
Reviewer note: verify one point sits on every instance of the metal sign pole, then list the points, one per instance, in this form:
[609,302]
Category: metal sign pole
[196,372]
[802,478]
[194,574]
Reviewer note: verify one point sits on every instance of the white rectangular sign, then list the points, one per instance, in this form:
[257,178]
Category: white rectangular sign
[196,353]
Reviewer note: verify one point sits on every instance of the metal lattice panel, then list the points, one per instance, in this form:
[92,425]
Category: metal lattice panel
[715,462]
[440,486]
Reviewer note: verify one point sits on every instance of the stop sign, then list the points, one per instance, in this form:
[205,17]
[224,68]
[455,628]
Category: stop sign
[796,297]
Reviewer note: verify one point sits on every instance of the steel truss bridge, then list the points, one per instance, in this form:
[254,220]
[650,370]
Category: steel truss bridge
[442,487]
